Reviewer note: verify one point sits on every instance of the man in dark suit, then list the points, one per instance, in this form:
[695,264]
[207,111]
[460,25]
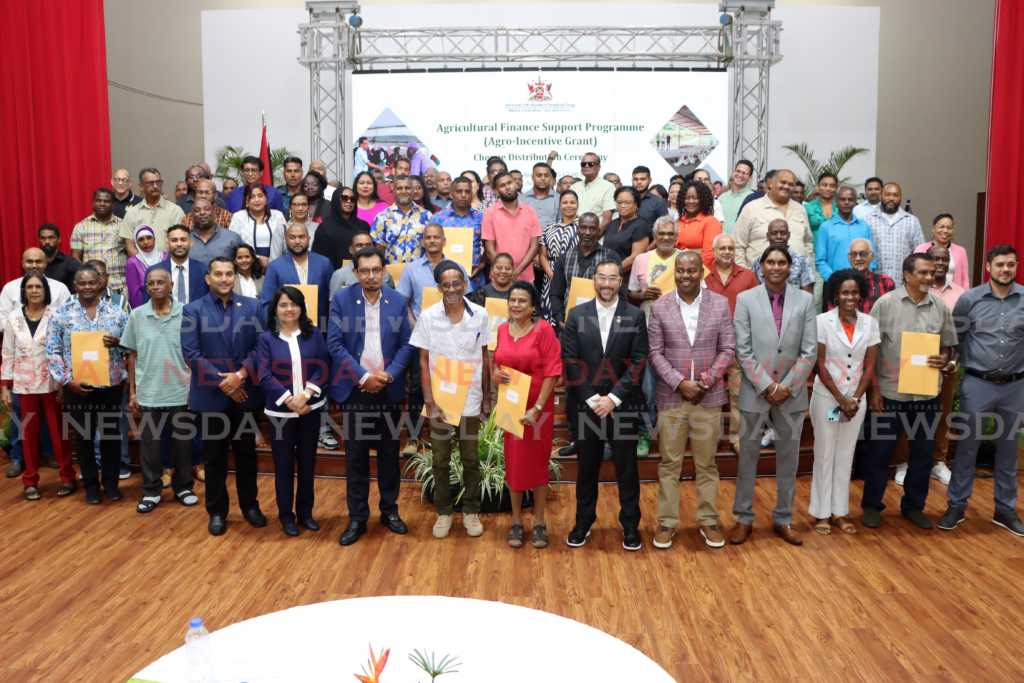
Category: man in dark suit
[188,276]
[604,347]
[219,336]
[368,338]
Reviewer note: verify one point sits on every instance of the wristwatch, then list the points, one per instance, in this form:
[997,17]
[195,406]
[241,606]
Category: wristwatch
[540,408]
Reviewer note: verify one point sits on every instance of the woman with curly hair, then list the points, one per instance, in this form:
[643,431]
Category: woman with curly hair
[698,226]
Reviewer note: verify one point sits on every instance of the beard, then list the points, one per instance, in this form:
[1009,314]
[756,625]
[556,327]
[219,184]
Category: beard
[50,251]
[301,252]
[886,209]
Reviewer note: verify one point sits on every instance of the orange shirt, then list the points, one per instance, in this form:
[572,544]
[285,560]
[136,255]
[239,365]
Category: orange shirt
[698,235]
[849,329]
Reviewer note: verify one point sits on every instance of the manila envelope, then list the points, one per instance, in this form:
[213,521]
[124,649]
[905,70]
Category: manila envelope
[512,400]
[90,359]
[666,282]
[312,301]
[459,247]
[431,296]
[396,271]
[497,311]
[580,292]
[449,382]
[915,375]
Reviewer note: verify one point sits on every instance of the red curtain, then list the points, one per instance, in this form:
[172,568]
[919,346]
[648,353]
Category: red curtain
[1005,187]
[54,121]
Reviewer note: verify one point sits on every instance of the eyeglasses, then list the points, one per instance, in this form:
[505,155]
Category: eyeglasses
[587,164]
[450,286]
[625,203]
[607,280]
[370,271]
[122,180]
[196,176]
[739,172]
[861,254]
[206,191]
[152,183]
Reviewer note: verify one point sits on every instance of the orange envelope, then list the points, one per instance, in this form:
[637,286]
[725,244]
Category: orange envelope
[431,296]
[90,359]
[449,382]
[915,375]
[497,311]
[512,400]
[666,282]
[396,271]
[312,301]
[580,292]
[459,246]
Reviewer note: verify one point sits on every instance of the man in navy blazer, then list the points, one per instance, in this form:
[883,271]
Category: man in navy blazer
[219,339]
[252,171]
[183,270]
[368,338]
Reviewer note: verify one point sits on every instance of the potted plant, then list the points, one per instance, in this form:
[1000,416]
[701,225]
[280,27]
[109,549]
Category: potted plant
[491,451]
[229,163]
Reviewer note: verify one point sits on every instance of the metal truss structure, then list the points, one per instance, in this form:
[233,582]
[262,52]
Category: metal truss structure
[333,46]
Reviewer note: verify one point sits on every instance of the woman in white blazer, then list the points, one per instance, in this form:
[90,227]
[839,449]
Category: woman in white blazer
[847,351]
[256,223]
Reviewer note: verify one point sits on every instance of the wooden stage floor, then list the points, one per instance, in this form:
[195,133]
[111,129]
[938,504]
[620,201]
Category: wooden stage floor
[94,594]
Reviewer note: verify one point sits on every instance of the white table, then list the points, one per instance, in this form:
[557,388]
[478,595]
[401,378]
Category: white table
[329,641]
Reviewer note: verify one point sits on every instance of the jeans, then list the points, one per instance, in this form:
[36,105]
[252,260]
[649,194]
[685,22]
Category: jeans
[122,427]
[882,431]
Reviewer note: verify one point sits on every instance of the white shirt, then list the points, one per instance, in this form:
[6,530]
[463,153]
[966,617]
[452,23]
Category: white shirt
[718,210]
[10,297]
[372,359]
[248,286]
[174,280]
[605,316]
[297,388]
[689,313]
[303,272]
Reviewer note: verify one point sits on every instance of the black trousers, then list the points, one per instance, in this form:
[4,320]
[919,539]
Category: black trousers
[235,429]
[371,421]
[621,432]
[294,440]
[171,425]
[97,413]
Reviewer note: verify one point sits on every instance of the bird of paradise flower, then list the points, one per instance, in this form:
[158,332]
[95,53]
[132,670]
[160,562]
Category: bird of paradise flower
[376,667]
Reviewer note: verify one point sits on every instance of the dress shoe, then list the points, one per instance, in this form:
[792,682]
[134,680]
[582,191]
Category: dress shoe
[93,497]
[740,533]
[951,518]
[568,450]
[218,525]
[871,518]
[918,518]
[309,524]
[631,539]
[789,534]
[352,533]
[199,473]
[578,536]
[712,536]
[1009,521]
[114,494]
[255,517]
[394,524]
[290,530]
[15,469]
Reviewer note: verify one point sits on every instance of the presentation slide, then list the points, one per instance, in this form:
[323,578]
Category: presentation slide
[670,121]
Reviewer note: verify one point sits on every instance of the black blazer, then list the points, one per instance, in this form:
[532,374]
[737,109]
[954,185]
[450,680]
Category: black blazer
[590,369]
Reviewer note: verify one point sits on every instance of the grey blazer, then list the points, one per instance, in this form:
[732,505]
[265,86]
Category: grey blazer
[766,356]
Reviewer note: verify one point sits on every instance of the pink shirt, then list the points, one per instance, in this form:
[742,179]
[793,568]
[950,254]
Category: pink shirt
[958,259]
[511,234]
[949,294]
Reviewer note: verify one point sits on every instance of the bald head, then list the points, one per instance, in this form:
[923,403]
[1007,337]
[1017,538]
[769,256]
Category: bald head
[861,255]
[121,182]
[33,259]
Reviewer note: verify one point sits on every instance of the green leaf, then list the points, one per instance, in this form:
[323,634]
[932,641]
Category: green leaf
[815,168]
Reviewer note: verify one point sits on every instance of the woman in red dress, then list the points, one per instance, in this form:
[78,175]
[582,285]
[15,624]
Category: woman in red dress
[528,345]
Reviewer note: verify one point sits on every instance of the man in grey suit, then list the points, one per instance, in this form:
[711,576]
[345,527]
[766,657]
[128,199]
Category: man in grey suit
[774,315]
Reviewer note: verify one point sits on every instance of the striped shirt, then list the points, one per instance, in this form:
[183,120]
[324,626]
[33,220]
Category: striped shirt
[101,241]
[161,374]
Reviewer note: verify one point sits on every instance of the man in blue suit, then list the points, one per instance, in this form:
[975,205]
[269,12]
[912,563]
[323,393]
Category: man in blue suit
[368,337]
[188,276]
[219,336]
[252,171]
[297,266]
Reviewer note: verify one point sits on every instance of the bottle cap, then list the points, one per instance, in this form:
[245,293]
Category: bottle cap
[195,623]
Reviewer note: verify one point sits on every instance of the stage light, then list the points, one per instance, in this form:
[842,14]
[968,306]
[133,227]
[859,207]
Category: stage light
[725,19]
[355,21]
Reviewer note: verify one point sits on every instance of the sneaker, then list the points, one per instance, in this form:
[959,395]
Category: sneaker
[941,472]
[1009,521]
[712,536]
[631,539]
[643,446]
[473,525]
[918,519]
[578,536]
[663,539]
[328,442]
[768,439]
[442,526]
[414,446]
[950,518]
[901,472]
[125,472]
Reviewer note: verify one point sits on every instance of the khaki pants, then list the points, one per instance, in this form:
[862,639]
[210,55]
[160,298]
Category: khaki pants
[734,375]
[700,425]
[902,451]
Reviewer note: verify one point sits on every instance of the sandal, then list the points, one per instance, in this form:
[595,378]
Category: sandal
[145,506]
[32,493]
[185,498]
[843,524]
[540,539]
[515,539]
[822,527]
[66,489]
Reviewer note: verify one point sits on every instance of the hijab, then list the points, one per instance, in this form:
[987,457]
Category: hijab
[335,234]
[153,256]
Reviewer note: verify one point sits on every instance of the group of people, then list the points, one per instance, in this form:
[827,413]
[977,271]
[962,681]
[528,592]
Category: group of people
[207,320]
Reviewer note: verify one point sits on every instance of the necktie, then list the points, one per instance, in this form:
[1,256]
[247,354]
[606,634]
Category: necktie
[181,284]
[777,311]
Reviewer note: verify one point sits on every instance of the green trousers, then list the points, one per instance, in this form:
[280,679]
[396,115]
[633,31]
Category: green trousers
[468,436]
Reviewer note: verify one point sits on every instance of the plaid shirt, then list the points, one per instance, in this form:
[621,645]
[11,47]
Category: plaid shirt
[400,233]
[575,264]
[490,196]
[222,217]
[102,242]
[880,285]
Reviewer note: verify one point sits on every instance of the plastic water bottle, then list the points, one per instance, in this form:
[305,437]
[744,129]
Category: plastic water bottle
[197,650]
